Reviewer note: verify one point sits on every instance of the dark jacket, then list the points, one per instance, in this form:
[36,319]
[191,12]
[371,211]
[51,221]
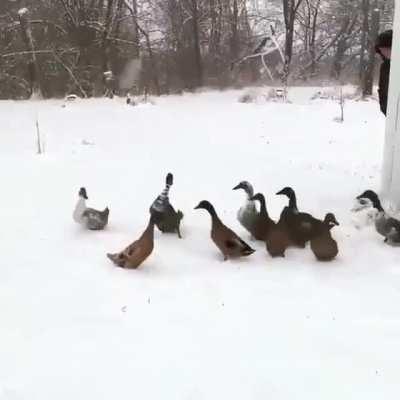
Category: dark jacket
[384,40]
[384,85]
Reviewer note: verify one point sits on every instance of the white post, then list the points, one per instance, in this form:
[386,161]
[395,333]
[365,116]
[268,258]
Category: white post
[391,157]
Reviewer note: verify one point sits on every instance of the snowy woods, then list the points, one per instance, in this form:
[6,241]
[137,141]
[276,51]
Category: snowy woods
[55,47]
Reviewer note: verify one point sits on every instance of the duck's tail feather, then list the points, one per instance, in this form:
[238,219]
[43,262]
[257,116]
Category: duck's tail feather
[118,259]
[248,251]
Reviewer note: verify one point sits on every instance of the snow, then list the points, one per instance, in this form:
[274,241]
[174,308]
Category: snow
[187,325]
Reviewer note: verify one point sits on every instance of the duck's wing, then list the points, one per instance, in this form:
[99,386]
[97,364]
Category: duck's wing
[307,222]
[285,214]
[133,249]
[235,242]
[393,224]
[93,214]
[95,219]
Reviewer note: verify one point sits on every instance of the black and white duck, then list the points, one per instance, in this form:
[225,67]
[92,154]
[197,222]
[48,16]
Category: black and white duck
[88,217]
[385,225]
[263,224]
[168,220]
[247,214]
[300,225]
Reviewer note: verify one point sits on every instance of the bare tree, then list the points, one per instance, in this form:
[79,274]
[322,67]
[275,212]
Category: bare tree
[33,65]
[290,9]
[368,80]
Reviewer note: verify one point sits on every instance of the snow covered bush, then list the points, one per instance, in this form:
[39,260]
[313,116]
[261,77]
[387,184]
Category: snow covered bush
[277,94]
[252,96]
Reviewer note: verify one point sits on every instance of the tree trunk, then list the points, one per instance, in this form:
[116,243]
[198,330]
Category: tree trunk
[33,66]
[342,45]
[364,36]
[106,31]
[235,34]
[369,70]
[312,46]
[290,8]
[196,45]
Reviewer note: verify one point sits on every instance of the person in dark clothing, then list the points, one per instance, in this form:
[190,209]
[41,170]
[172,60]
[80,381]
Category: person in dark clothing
[384,48]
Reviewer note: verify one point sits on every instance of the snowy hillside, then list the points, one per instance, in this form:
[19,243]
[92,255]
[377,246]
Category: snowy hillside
[187,325]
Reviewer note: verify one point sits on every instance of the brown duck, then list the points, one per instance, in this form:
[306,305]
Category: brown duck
[262,224]
[278,240]
[300,225]
[137,252]
[323,245]
[168,220]
[230,244]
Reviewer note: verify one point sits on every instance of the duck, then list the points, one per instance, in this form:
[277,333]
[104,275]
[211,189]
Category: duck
[385,225]
[227,241]
[278,240]
[168,220]
[136,253]
[324,247]
[89,217]
[263,224]
[363,213]
[247,214]
[299,225]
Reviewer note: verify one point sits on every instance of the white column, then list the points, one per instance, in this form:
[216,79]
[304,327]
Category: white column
[391,158]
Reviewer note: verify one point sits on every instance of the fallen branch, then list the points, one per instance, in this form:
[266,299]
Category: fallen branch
[243,59]
[26,53]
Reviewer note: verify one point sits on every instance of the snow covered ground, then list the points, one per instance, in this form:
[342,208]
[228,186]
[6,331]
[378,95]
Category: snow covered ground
[186,325]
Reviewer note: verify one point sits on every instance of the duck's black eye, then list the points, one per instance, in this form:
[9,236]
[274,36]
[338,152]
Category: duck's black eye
[363,202]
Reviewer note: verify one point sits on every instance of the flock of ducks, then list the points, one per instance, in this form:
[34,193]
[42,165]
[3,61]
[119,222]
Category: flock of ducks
[293,229]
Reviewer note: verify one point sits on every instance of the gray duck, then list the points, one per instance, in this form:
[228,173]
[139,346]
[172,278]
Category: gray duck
[89,217]
[168,220]
[385,225]
[227,241]
[323,245]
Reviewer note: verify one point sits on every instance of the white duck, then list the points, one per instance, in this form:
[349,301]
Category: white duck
[247,214]
[88,217]
[363,213]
